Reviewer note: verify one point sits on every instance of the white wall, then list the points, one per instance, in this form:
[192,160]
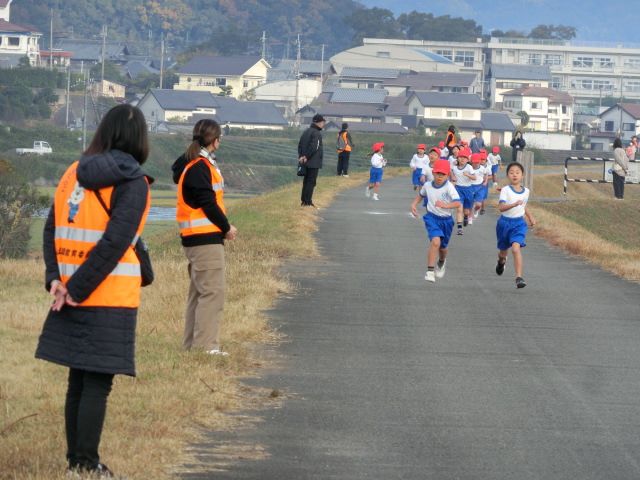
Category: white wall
[548,141]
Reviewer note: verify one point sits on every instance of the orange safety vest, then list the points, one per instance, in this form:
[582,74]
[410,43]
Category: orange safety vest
[193,221]
[80,221]
[450,140]
[347,147]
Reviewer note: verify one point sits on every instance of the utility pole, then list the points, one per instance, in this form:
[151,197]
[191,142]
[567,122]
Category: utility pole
[264,44]
[84,111]
[66,121]
[161,58]
[51,40]
[104,48]
[322,66]
[297,75]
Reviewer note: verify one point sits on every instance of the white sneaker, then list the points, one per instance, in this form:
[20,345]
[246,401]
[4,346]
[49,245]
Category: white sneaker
[430,276]
[345,175]
[376,197]
[476,213]
[217,351]
[440,271]
[367,192]
[471,220]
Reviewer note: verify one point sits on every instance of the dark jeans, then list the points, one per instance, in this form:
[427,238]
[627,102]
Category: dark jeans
[84,414]
[343,163]
[618,185]
[308,184]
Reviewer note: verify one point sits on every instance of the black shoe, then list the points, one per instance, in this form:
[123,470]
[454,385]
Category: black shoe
[482,211]
[520,283]
[500,267]
[465,222]
[99,472]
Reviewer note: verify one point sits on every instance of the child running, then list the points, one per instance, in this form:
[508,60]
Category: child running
[462,174]
[444,151]
[478,183]
[511,228]
[485,186]
[494,161]
[375,174]
[441,198]
[417,163]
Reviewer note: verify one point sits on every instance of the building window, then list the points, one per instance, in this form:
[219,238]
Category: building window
[632,86]
[221,82]
[245,83]
[608,126]
[188,79]
[556,82]
[536,105]
[605,62]
[415,111]
[383,54]
[448,54]
[632,63]
[14,41]
[452,114]
[552,59]
[598,147]
[513,104]
[583,62]
[605,85]
[465,57]
[532,58]
[509,85]
[628,127]
[564,109]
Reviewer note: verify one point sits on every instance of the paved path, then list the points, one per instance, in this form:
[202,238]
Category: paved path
[470,378]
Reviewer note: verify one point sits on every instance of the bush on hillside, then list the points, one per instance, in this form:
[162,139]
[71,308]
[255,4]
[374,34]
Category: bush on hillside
[18,203]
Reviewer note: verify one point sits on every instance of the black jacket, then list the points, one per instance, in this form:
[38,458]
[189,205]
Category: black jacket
[98,339]
[197,193]
[310,146]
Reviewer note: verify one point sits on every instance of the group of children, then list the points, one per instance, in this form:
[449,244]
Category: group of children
[453,180]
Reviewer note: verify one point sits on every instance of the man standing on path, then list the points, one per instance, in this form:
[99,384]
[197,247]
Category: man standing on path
[310,155]
[344,145]
[477,142]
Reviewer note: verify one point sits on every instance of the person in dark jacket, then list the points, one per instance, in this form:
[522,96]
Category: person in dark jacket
[310,155]
[344,145]
[204,227]
[93,275]
[517,145]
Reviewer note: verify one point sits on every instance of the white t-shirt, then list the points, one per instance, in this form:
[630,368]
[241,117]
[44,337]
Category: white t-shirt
[463,180]
[378,161]
[479,172]
[494,159]
[444,153]
[453,161]
[445,192]
[508,195]
[427,171]
[419,162]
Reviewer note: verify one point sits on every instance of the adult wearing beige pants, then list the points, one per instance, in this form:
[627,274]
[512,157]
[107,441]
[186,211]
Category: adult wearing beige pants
[204,227]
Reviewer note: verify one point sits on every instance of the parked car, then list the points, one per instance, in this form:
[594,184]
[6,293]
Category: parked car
[40,147]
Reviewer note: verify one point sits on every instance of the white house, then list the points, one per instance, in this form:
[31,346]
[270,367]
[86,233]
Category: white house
[549,110]
[288,95]
[510,77]
[16,41]
[623,120]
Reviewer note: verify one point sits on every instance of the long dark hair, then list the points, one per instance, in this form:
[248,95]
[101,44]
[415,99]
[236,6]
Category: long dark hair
[617,143]
[122,128]
[205,131]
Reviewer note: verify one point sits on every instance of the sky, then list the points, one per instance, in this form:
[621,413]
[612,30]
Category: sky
[595,20]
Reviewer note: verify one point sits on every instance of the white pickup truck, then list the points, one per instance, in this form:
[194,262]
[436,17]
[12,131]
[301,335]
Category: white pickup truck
[39,148]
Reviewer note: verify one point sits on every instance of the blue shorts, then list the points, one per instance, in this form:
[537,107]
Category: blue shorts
[510,231]
[438,227]
[466,196]
[415,177]
[485,192]
[494,169]
[478,192]
[375,175]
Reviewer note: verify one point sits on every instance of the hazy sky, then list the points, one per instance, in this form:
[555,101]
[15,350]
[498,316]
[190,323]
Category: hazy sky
[596,20]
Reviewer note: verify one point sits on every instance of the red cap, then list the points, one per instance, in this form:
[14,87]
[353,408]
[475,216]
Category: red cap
[377,146]
[442,166]
[421,146]
[483,154]
[464,152]
[441,145]
[435,149]
[476,157]
[496,149]
[464,143]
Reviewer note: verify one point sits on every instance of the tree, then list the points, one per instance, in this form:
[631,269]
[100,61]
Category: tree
[225,91]
[553,32]
[373,22]
[524,117]
[111,72]
[424,26]
[508,34]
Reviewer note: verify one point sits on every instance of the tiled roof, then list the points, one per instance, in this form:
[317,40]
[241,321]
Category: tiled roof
[632,109]
[253,113]
[456,100]
[349,110]
[429,80]
[8,27]
[490,121]
[4,3]
[306,66]
[358,95]
[554,96]
[373,73]
[91,50]
[184,99]
[396,105]
[210,65]
[366,127]
[137,68]
[521,72]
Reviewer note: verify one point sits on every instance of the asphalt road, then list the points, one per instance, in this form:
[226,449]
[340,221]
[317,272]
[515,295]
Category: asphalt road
[393,378]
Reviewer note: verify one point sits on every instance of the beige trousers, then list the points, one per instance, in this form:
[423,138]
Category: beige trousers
[205,302]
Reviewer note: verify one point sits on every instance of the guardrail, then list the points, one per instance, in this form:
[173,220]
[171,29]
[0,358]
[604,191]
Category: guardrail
[606,171]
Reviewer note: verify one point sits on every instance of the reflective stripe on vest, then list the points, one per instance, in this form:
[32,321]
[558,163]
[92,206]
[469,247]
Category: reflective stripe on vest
[80,223]
[193,221]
